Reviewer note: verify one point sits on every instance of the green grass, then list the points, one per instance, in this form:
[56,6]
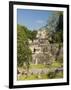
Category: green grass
[56,65]
[38,66]
[59,75]
[23,77]
[54,75]
[33,77]
[42,76]
[42,66]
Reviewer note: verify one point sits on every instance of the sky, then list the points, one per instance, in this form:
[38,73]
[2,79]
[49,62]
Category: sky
[32,19]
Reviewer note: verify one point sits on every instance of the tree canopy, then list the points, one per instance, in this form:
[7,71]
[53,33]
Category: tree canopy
[23,51]
[55,26]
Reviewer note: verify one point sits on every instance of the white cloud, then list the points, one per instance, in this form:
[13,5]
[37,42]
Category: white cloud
[39,21]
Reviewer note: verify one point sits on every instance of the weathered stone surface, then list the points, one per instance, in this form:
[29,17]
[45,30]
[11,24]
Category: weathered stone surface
[42,51]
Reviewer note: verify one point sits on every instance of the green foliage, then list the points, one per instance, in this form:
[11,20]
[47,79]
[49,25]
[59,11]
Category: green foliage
[59,26]
[33,35]
[53,75]
[59,75]
[23,51]
[58,36]
[56,65]
[55,25]
[30,34]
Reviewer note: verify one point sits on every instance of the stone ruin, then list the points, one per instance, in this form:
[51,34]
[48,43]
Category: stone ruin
[41,49]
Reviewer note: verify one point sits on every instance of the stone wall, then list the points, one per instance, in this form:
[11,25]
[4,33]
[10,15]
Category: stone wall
[47,54]
[43,52]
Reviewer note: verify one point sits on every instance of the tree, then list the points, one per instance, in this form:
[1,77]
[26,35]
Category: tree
[55,25]
[33,35]
[59,27]
[24,54]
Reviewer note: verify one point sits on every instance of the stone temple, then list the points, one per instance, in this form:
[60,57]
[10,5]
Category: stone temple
[40,48]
